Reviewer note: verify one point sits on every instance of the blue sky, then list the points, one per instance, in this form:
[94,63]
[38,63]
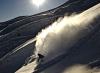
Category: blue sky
[13,8]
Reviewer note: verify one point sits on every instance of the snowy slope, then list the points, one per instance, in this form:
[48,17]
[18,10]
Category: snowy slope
[18,42]
[24,28]
[83,52]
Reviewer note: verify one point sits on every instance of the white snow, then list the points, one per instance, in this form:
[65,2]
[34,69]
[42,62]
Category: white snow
[62,34]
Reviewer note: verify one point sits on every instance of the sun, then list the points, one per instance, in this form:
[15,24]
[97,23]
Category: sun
[38,3]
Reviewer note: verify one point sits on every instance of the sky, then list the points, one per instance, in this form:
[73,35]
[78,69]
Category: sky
[10,9]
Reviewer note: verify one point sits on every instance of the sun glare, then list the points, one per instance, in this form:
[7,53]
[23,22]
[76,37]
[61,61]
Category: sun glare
[38,3]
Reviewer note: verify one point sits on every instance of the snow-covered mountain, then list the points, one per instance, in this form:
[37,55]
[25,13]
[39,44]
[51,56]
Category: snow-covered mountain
[73,26]
[57,43]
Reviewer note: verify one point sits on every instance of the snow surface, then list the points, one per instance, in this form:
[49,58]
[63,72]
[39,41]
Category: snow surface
[62,35]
